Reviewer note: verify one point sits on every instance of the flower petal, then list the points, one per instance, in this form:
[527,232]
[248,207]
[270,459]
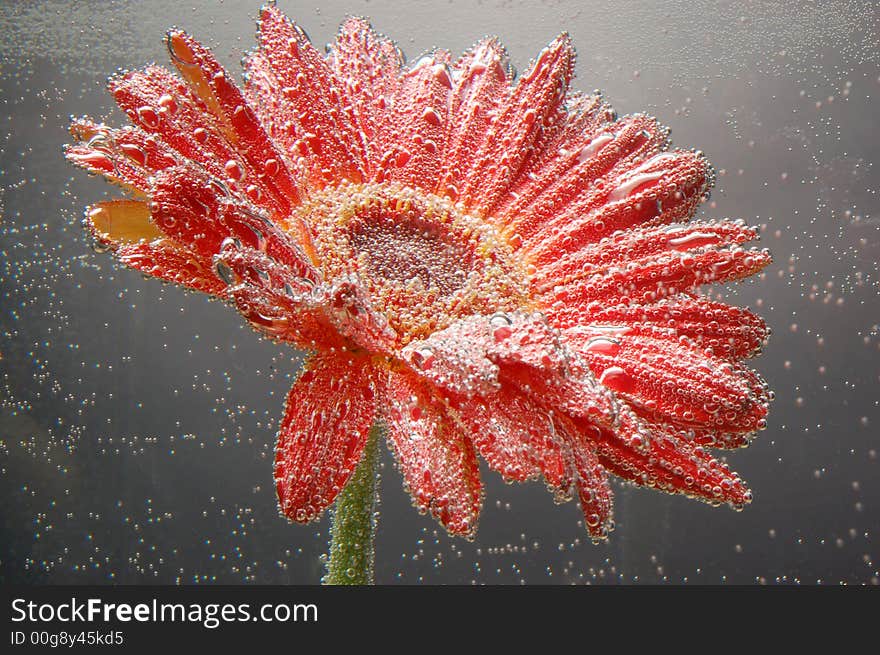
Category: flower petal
[593,485]
[668,380]
[159,103]
[480,354]
[367,66]
[586,115]
[279,302]
[455,359]
[436,457]
[126,226]
[535,103]
[480,83]
[724,330]
[167,260]
[309,106]
[327,420]
[515,436]
[648,280]
[201,213]
[217,129]
[352,315]
[117,222]
[520,337]
[465,356]
[643,245]
[420,113]
[274,299]
[666,188]
[706,436]
[605,150]
[672,464]
[126,156]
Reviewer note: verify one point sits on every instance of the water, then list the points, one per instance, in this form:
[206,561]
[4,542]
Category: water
[138,420]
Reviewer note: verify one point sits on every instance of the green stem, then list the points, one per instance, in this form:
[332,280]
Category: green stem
[353,525]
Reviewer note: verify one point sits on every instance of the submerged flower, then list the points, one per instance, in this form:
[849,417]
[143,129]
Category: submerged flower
[482,265]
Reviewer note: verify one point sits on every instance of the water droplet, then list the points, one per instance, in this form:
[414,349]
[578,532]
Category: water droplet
[594,146]
[234,170]
[616,379]
[633,185]
[134,153]
[603,346]
[500,319]
[167,103]
[431,116]
[422,357]
[254,193]
[148,116]
[224,272]
[441,74]
[693,240]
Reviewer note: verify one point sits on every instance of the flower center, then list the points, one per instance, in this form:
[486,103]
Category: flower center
[423,261]
[412,254]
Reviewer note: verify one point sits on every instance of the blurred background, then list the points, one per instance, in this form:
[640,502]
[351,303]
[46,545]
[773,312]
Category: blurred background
[137,421]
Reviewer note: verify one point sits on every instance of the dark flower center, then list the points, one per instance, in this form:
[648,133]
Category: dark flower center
[422,261]
[411,254]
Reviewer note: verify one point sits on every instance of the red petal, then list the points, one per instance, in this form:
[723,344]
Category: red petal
[465,356]
[722,329]
[274,299]
[351,313]
[367,67]
[674,465]
[254,230]
[702,436]
[198,212]
[608,150]
[282,319]
[574,391]
[475,355]
[664,189]
[309,103]
[455,359]
[185,207]
[181,120]
[165,259]
[649,280]
[419,124]
[126,227]
[480,84]
[668,380]
[437,459]
[218,130]
[516,438]
[640,245]
[277,300]
[327,420]
[126,156]
[594,488]
[533,106]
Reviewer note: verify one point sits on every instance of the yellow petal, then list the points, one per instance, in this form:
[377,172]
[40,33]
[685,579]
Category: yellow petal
[122,221]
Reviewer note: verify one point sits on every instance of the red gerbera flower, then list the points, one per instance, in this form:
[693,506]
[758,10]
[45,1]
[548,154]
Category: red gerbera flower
[481,265]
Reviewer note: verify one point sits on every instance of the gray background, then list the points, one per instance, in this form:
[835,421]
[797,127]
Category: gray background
[137,420]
